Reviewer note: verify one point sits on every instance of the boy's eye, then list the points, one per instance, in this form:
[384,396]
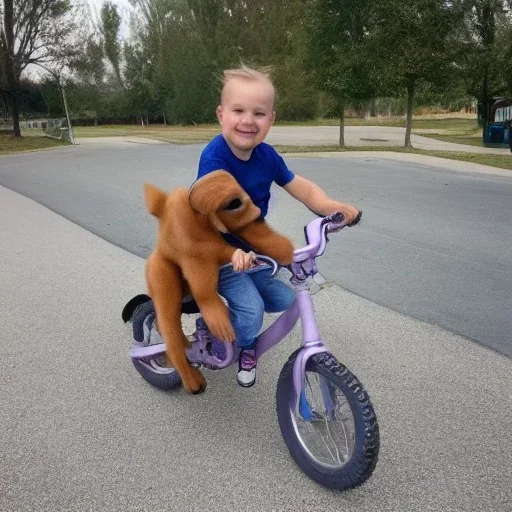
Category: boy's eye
[233,205]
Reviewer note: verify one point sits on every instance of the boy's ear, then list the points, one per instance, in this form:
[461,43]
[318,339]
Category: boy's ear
[219,113]
[155,199]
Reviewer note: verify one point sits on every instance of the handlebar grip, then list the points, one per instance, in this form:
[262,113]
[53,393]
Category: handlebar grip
[357,219]
[267,260]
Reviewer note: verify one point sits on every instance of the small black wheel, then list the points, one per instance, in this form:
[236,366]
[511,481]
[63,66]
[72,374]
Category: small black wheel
[132,305]
[157,372]
[333,434]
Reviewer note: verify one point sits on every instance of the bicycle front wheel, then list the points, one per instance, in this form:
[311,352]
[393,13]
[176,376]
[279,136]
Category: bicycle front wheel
[332,434]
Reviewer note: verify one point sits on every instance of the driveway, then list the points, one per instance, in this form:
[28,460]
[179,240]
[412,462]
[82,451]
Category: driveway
[80,430]
[366,136]
[328,135]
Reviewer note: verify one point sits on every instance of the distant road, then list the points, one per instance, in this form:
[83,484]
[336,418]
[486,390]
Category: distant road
[367,136]
[434,243]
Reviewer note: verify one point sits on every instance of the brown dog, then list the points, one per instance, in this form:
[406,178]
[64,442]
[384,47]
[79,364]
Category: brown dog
[189,251]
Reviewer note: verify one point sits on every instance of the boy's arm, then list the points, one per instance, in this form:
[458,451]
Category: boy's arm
[317,200]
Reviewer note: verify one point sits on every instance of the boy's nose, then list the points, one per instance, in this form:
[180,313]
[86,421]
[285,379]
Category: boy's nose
[247,118]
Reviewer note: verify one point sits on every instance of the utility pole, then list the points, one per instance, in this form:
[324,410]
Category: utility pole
[70,128]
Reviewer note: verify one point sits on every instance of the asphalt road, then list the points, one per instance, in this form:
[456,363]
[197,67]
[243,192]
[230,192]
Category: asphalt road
[81,431]
[434,244]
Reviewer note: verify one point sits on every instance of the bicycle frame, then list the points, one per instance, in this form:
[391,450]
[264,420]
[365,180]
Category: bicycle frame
[302,307]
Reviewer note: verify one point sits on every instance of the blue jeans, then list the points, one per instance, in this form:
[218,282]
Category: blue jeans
[249,295]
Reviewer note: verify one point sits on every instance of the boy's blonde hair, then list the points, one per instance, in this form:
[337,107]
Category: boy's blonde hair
[247,73]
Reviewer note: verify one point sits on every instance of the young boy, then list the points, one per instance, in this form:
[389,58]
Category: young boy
[246,114]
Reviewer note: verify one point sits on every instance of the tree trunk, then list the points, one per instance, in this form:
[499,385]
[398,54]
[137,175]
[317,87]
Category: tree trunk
[410,104]
[485,102]
[13,108]
[10,78]
[342,126]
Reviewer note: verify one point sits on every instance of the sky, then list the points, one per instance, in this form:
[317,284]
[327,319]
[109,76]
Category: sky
[124,8]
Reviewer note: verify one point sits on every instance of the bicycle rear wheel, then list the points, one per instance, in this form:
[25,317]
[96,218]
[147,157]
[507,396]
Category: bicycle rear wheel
[333,434]
[157,372]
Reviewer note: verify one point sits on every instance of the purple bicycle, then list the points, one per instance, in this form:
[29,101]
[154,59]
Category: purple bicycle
[326,418]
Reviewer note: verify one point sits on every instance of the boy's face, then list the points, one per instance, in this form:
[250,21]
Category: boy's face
[246,114]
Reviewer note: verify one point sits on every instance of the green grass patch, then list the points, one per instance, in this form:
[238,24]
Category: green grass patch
[475,140]
[174,134]
[32,142]
[500,161]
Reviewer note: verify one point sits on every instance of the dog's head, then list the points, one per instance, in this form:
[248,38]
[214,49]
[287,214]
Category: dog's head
[219,196]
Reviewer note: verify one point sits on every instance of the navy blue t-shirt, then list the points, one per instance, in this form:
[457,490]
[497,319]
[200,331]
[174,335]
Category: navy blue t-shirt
[255,175]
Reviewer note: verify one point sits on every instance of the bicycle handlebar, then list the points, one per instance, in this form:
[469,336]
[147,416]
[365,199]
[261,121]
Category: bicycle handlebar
[316,238]
[316,234]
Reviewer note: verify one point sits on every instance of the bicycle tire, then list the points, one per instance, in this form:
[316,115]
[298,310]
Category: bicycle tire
[362,461]
[158,375]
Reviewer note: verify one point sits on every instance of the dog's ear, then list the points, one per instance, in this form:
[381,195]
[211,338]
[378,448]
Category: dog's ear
[208,193]
[155,199]
[219,196]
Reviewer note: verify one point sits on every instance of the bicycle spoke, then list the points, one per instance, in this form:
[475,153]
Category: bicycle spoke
[327,432]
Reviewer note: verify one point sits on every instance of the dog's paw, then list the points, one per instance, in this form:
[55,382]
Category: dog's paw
[220,327]
[194,382]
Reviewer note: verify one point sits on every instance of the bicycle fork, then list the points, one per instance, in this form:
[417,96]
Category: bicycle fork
[313,344]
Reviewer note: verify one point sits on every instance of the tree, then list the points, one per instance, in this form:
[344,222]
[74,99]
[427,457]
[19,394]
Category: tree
[110,23]
[485,50]
[33,32]
[338,52]
[414,42]
[86,81]
[187,43]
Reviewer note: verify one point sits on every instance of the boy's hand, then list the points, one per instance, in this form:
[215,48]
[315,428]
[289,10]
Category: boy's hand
[349,212]
[243,260]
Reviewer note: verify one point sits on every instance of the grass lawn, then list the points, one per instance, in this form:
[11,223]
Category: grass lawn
[10,144]
[475,140]
[175,134]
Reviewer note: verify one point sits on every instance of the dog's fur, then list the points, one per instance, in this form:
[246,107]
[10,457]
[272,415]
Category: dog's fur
[189,251]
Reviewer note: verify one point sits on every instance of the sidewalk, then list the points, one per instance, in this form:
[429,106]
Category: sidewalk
[329,135]
[80,430]
[366,136]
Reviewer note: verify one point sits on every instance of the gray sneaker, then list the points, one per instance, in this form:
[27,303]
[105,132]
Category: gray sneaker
[246,375]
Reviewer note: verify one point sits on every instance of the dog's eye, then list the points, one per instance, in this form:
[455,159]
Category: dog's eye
[233,205]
